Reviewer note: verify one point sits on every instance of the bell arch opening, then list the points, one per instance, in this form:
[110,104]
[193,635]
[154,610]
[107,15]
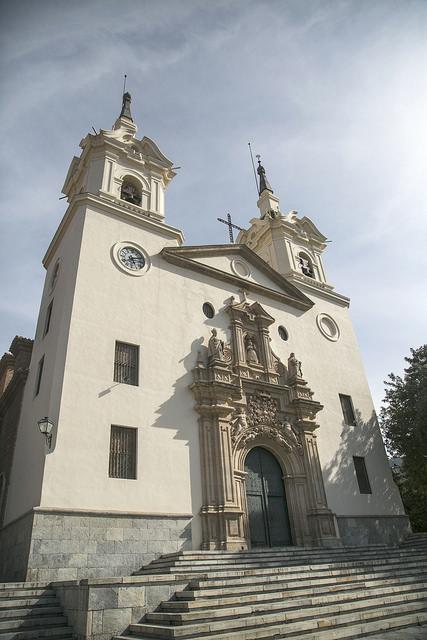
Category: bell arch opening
[131,190]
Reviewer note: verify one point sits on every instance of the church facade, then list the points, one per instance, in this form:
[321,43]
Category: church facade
[205,397]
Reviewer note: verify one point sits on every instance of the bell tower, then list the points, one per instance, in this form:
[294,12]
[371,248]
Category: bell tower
[293,246]
[117,167]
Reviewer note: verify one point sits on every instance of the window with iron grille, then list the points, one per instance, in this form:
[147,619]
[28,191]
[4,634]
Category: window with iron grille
[122,453]
[362,475]
[347,410]
[126,363]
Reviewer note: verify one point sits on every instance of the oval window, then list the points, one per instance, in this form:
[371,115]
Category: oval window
[283,333]
[208,310]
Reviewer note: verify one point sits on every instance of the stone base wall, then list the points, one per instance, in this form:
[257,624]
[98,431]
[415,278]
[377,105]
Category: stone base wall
[361,530]
[15,543]
[98,609]
[65,545]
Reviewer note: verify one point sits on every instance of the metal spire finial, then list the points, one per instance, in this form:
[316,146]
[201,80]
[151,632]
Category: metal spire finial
[263,182]
[125,112]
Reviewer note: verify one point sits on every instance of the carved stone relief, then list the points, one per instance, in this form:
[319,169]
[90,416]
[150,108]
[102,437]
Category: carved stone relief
[243,401]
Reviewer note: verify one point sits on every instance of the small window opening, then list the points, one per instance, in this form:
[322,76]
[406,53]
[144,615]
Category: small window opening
[208,310]
[48,318]
[126,359]
[39,376]
[122,462]
[347,410]
[283,333]
[362,475]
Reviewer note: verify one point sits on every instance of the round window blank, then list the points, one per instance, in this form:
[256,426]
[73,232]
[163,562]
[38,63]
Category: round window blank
[208,310]
[283,333]
[328,327]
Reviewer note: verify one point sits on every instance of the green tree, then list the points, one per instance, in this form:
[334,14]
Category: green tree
[404,425]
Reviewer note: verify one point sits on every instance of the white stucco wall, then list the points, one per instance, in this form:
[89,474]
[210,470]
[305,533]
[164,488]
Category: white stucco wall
[30,450]
[161,312]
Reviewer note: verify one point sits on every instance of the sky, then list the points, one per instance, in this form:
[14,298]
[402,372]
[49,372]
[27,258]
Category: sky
[331,93]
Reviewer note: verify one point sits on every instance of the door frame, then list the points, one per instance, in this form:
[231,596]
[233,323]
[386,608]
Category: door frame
[294,482]
[264,500]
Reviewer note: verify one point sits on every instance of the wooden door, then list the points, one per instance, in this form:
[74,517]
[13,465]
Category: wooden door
[266,500]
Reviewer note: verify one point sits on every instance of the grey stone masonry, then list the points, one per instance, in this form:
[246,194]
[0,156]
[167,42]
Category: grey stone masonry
[15,542]
[65,545]
[99,608]
[361,530]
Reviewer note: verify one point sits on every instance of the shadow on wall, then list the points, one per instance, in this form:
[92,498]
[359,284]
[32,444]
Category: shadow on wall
[362,440]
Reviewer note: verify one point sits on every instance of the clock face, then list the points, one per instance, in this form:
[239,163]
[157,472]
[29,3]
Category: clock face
[131,258]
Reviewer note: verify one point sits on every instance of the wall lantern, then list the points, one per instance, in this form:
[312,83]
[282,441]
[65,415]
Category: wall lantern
[45,425]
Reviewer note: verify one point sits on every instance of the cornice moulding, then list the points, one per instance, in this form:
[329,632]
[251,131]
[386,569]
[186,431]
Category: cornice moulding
[103,207]
[315,289]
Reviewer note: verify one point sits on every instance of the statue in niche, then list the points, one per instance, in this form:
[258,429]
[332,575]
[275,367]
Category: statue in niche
[294,367]
[239,424]
[215,347]
[251,354]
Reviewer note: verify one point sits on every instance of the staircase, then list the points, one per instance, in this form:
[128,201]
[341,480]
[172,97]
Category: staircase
[293,593]
[29,610]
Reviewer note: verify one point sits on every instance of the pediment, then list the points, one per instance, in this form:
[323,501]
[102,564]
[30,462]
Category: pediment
[254,309]
[150,149]
[240,266]
[310,229]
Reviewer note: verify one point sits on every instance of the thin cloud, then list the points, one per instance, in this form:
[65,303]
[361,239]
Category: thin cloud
[331,93]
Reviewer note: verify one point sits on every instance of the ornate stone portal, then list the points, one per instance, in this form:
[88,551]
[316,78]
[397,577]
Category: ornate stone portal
[245,398]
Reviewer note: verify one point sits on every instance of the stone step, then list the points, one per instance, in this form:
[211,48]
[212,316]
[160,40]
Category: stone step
[284,584]
[23,585]
[340,592]
[56,633]
[30,612]
[195,556]
[24,593]
[293,573]
[29,601]
[308,606]
[348,631]
[272,625]
[157,565]
[268,550]
[55,620]
[273,551]
[188,567]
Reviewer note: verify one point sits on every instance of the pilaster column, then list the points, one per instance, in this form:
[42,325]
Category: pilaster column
[221,512]
[321,520]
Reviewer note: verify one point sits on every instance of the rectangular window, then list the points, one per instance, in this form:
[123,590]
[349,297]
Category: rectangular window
[122,453]
[126,363]
[48,317]
[347,410]
[39,376]
[362,475]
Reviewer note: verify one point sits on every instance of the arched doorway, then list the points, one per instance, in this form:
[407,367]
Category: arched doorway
[266,499]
